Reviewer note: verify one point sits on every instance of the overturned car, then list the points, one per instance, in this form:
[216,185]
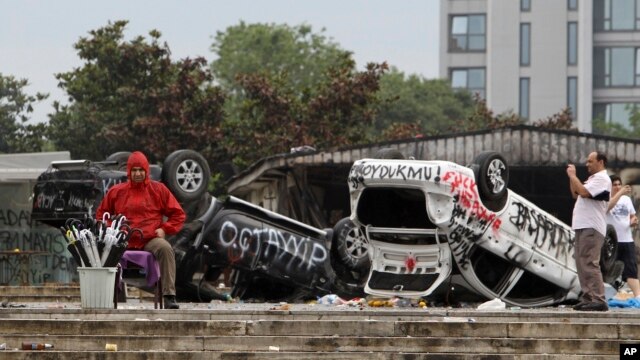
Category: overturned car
[271,257]
[428,220]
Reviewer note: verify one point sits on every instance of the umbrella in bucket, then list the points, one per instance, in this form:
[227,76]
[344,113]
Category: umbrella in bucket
[96,244]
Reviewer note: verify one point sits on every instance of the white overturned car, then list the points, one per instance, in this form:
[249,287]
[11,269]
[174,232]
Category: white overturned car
[424,220]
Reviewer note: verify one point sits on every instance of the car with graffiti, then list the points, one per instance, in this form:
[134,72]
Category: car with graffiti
[271,256]
[426,221]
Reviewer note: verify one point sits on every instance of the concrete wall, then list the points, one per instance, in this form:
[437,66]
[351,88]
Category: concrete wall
[50,261]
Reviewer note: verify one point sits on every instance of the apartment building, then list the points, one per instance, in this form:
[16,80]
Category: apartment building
[536,57]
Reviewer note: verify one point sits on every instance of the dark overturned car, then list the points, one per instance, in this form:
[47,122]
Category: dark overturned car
[270,256]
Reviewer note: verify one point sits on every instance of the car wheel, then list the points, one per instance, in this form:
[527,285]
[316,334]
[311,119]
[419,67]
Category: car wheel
[121,157]
[609,251]
[348,283]
[351,245]
[186,173]
[350,277]
[492,178]
[388,153]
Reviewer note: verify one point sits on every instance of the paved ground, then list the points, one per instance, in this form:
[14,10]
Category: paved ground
[248,306]
[136,301]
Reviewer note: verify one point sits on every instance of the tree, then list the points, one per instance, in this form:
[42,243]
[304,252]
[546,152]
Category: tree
[274,118]
[15,106]
[298,53]
[562,120]
[430,106]
[290,87]
[130,95]
[484,118]
[612,128]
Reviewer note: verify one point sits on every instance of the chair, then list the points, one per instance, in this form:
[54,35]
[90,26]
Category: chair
[131,264]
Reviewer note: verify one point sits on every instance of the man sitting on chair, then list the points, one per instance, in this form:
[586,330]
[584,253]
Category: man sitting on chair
[146,204]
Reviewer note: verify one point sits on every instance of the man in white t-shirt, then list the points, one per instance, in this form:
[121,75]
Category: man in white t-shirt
[622,215]
[590,225]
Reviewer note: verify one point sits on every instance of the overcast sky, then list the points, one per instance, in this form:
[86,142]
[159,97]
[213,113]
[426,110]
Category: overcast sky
[37,36]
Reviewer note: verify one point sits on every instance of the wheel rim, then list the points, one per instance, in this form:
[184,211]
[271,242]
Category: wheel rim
[189,176]
[356,243]
[494,174]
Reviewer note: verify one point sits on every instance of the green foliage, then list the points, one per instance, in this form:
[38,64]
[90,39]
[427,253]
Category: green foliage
[290,87]
[294,53]
[15,106]
[274,119]
[558,121]
[399,131]
[130,95]
[428,105]
[483,118]
[600,126]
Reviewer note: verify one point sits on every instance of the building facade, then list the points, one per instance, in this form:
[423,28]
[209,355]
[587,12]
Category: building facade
[537,57]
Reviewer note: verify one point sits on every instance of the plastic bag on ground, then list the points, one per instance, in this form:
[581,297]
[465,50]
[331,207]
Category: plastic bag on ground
[495,304]
[331,299]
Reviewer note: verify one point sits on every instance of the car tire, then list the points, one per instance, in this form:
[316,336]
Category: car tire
[186,173]
[349,279]
[609,252]
[348,283]
[492,177]
[121,157]
[351,245]
[388,153]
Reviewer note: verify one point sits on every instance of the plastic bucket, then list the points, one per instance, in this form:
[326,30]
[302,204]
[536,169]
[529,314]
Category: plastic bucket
[97,287]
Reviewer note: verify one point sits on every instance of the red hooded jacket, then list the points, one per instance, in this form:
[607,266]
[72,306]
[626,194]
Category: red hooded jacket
[144,204]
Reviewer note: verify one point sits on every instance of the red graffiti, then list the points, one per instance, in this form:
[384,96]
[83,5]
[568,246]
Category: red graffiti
[467,191]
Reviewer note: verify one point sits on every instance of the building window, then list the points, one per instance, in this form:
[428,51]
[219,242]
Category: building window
[572,43]
[616,67]
[467,33]
[525,5]
[572,4]
[572,95]
[616,15]
[616,113]
[471,79]
[524,98]
[525,44]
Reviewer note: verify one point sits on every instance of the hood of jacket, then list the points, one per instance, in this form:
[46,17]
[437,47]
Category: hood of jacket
[137,159]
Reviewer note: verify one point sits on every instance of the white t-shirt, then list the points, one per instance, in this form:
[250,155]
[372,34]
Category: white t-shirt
[620,217]
[591,212]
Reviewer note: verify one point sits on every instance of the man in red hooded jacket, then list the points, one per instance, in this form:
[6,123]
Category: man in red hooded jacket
[146,204]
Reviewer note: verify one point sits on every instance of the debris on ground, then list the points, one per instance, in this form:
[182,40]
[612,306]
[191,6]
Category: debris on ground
[494,304]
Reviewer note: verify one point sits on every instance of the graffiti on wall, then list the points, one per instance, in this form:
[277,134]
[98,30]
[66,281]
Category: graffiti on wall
[31,253]
[43,251]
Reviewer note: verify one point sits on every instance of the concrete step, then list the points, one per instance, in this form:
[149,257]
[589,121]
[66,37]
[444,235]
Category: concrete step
[280,355]
[530,330]
[313,344]
[19,299]
[48,290]
[56,294]
[324,336]
[265,311]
